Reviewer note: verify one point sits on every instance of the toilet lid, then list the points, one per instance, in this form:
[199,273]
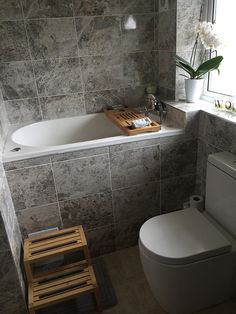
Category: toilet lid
[182,237]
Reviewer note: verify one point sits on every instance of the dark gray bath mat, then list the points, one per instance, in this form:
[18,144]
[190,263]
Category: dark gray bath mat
[85,303]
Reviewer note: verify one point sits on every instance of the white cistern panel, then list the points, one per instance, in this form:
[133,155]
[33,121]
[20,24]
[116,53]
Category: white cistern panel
[221,190]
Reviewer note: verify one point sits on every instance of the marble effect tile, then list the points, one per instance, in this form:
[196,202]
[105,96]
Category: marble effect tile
[11,298]
[39,218]
[137,6]
[192,123]
[22,111]
[16,244]
[136,202]
[137,166]
[47,8]
[134,145]
[187,17]
[101,241]
[166,93]
[80,177]
[142,37]
[178,159]
[91,211]
[102,72]
[175,191]
[96,101]
[58,76]
[31,187]
[17,80]
[10,10]
[14,46]
[12,165]
[220,133]
[134,96]
[98,35]
[166,31]
[166,69]
[52,38]
[3,236]
[4,126]
[138,69]
[165,5]
[127,233]
[56,107]
[96,7]
[79,154]
[7,208]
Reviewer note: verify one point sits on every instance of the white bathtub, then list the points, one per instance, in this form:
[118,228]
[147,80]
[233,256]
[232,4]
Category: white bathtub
[69,134]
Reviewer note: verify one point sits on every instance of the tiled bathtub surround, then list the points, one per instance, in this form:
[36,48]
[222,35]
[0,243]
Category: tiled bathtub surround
[215,135]
[59,58]
[11,279]
[214,128]
[111,190]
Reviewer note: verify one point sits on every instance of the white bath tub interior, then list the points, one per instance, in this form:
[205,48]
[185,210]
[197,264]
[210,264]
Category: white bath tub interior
[69,134]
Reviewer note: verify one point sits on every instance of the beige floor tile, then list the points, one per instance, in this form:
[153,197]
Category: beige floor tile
[132,290]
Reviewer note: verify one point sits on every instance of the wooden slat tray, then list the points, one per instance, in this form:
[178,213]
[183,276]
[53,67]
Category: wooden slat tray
[61,284]
[123,118]
[54,243]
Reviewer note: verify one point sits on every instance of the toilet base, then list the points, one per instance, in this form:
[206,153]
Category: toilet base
[184,289]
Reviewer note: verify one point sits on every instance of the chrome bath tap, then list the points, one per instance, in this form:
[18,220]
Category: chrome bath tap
[153,104]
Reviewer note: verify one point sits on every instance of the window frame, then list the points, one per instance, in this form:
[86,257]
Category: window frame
[207,94]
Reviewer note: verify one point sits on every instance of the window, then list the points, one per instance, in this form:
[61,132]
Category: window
[223,14]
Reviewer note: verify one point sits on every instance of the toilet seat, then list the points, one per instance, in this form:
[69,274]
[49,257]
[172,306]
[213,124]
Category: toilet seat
[182,237]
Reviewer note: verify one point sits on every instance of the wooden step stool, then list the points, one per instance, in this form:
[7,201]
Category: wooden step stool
[62,283]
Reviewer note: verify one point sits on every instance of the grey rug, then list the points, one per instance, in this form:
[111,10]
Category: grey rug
[85,303]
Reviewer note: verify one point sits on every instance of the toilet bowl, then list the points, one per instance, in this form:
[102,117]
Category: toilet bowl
[188,257]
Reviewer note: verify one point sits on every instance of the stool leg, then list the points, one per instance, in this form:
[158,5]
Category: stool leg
[31,311]
[87,255]
[97,299]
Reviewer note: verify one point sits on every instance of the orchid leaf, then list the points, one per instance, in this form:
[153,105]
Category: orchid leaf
[205,67]
[208,66]
[184,75]
[185,65]
[179,59]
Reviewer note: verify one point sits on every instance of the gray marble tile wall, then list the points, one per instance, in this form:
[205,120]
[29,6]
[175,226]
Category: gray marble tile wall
[71,57]
[12,286]
[188,13]
[215,135]
[11,279]
[165,44]
[110,190]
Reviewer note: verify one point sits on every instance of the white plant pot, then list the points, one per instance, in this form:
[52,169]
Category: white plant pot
[193,89]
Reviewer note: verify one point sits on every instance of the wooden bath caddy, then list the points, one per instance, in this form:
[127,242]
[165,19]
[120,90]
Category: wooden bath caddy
[123,119]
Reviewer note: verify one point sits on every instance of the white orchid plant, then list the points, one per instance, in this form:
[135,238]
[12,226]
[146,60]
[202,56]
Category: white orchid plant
[210,40]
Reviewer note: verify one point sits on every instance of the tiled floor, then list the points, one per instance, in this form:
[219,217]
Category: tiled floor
[132,290]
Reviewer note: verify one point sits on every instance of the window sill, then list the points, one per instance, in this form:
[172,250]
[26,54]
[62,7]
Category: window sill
[205,106]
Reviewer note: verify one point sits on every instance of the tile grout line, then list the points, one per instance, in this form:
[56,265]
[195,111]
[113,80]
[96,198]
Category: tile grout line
[56,191]
[27,167]
[78,55]
[90,56]
[31,60]
[76,16]
[75,93]
[35,207]
[160,185]
[110,177]
[53,162]
[73,159]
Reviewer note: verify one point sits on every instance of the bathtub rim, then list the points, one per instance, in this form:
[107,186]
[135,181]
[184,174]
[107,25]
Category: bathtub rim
[28,152]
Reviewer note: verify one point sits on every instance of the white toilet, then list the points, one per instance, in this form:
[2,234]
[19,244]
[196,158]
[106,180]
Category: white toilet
[189,258]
